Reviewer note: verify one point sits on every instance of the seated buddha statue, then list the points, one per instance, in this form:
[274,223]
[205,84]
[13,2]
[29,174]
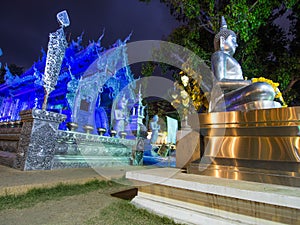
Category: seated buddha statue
[238,93]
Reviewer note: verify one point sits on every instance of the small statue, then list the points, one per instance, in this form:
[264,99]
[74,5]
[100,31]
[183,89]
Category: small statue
[228,72]
[155,127]
[121,115]
[139,152]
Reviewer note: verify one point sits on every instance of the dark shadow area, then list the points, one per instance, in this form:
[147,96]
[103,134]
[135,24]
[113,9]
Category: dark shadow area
[127,194]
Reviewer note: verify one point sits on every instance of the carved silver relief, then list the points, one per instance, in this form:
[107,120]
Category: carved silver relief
[56,51]
[41,149]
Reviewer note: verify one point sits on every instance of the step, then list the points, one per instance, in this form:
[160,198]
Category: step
[197,199]
[7,158]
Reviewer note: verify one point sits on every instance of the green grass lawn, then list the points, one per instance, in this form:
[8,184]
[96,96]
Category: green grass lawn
[37,195]
[123,212]
[116,212]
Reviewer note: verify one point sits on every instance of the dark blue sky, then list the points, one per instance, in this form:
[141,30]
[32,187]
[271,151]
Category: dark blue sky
[25,25]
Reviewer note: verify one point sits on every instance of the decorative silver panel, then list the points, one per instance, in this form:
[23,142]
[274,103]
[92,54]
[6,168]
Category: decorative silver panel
[38,137]
[56,51]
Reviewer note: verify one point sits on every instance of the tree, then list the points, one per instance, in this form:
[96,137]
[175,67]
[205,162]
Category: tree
[279,52]
[264,48]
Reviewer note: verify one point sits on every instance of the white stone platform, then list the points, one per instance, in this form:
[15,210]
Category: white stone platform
[197,199]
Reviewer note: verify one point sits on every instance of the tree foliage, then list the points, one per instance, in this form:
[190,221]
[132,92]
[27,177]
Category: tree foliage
[265,48]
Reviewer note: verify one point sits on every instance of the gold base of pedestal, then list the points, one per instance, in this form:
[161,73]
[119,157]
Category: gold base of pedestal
[259,145]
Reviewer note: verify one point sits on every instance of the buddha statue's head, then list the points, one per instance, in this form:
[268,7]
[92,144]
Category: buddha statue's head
[222,36]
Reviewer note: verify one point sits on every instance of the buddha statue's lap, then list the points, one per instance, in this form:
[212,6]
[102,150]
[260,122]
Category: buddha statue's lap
[238,93]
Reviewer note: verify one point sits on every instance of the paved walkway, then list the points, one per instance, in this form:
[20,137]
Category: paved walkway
[14,181]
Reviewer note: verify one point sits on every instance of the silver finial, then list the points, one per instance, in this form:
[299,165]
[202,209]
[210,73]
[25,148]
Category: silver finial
[63,18]
[223,23]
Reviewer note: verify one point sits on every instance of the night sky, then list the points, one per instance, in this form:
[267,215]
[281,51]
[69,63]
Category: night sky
[25,25]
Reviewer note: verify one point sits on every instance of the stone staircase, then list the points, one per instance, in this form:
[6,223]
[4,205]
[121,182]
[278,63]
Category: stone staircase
[198,199]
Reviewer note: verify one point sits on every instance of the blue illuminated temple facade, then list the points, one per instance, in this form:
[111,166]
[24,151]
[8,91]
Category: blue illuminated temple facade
[26,91]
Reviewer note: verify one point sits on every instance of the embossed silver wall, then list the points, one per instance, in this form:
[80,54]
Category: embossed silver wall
[36,146]
[75,149]
[91,85]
